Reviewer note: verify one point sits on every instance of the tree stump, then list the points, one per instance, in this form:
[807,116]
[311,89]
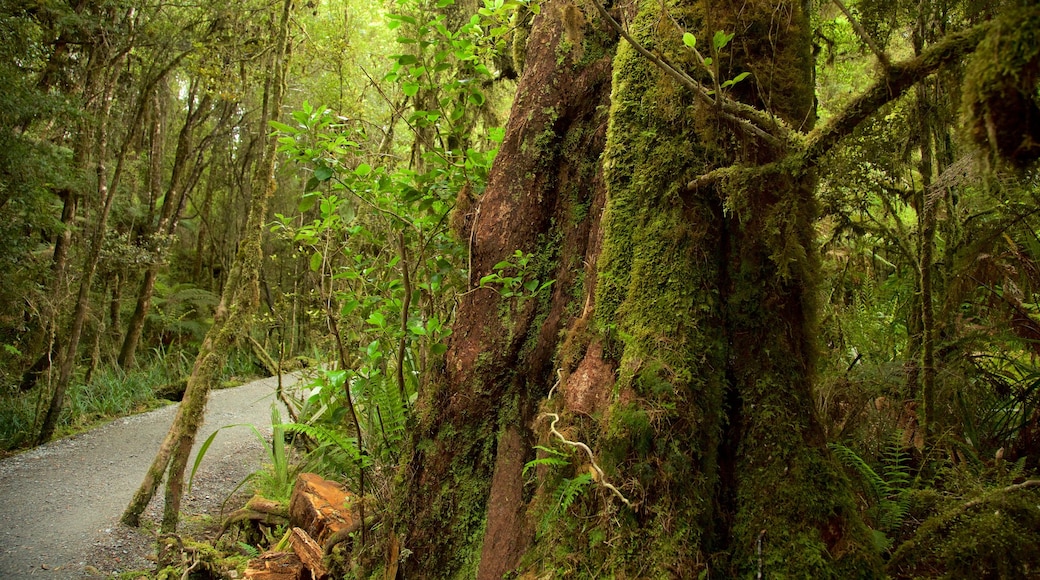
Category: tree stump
[320,507]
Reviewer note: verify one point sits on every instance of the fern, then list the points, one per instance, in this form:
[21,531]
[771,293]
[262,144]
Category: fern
[569,489]
[249,550]
[889,490]
[554,459]
[331,438]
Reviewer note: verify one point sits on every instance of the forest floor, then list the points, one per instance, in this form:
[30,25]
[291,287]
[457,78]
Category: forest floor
[60,503]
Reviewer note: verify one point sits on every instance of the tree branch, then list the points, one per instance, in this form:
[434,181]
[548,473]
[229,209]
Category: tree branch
[898,78]
[758,123]
[878,52]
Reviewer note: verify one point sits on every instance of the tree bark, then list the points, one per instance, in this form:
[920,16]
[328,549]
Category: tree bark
[687,371]
[239,301]
[106,194]
[545,197]
[187,162]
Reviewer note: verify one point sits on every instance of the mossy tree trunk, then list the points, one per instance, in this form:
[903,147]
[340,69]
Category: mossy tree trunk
[238,303]
[685,347]
[545,197]
[188,164]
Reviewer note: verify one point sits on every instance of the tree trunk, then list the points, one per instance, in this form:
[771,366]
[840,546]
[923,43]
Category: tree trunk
[106,193]
[545,197]
[687,372]
[187,162]
[238,302]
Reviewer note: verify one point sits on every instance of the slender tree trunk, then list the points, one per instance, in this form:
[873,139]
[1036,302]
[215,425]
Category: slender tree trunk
[105,197]
[187,161]
[238,302]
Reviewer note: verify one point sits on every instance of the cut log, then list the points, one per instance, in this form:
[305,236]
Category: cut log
[320,507]
[309,552]
[276,566]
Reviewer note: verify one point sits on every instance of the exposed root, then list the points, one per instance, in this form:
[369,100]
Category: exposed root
[345,534]
[601,477]
[260,510]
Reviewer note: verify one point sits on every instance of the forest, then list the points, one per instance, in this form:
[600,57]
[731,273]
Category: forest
[576,288]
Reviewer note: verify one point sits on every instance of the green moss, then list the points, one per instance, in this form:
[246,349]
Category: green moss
[563,50]
[1000,102]
[992,537]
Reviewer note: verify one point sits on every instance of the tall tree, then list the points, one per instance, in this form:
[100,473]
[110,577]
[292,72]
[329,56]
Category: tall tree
[188,164]
[238,303]
[686,366]
[113,56]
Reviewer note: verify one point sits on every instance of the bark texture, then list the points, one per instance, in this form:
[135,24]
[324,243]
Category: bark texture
[688,370]
[545,197]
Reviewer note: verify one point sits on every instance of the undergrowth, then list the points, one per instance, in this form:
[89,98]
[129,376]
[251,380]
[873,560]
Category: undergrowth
[111,393]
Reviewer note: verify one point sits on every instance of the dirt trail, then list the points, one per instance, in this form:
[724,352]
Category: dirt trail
[60,503]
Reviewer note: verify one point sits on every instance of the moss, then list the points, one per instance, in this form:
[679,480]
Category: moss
[994,536]
[696,300]
[1000,103]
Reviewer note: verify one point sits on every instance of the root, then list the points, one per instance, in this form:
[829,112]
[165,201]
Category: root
[601,477]
[345,534]
[260,510]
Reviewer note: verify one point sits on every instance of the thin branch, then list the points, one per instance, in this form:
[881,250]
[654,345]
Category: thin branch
[760,123]
[1024,485]
[878,52]
[898,78]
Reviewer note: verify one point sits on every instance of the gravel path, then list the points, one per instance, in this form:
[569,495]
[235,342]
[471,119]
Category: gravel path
[60,503]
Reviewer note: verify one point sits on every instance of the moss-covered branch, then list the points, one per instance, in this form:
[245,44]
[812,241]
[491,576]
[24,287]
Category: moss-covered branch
[896,80]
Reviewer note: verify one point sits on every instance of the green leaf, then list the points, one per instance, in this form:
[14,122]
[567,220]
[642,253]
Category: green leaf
[348,307]
[708,61]
[410,88]
[689,40]
[323,172]
[444,3]
[721,39]
[496,134]
[282,127]
[363,169]
[316,259]
[735,80]
[377,319]
[489,279]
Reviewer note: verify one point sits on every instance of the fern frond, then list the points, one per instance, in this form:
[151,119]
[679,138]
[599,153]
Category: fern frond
[547,461]
[569,489]
[330,437]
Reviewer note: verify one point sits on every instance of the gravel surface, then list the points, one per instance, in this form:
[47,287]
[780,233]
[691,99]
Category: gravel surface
[60,503]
